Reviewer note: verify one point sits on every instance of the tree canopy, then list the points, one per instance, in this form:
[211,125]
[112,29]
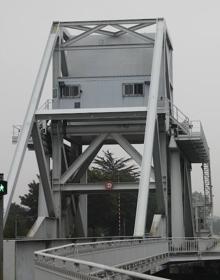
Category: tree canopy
[22,216]
[112,213]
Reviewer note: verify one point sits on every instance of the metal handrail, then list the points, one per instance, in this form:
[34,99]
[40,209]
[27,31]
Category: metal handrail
[47,104]
[101,245]
[56,258]
[90,265]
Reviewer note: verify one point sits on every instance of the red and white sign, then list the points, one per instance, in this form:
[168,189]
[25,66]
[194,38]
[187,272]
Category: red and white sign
[108,185]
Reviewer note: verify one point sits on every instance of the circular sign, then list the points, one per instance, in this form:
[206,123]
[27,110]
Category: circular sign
[108,185]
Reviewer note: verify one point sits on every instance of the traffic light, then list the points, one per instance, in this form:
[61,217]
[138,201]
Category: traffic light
[3,187]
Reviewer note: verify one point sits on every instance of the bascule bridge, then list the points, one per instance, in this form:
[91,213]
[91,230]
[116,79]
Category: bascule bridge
[112,84]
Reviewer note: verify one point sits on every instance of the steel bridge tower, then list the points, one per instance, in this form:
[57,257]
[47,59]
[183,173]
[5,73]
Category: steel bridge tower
[112,84]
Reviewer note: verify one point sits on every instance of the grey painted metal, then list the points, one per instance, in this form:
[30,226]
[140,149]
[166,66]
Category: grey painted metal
[87,162]
[72,24]
[43,169]
[135,34]
[85,28]
[208,196]
[161,204]
[29,117]
[133,153]
[1,231]
[97,187]
[103,86]
[120,60]
[85,34]
[91,259]
[89,265]
[188,209]
[20,266]
[93,114]
[128,252]
[177,223]
[151,264]
[133,28]
[105,47]
[80,160]
[141,212]
[42,206]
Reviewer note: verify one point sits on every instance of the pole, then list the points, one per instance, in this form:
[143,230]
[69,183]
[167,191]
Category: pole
[1,230]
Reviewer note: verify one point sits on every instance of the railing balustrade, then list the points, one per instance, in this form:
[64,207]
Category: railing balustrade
[63,260]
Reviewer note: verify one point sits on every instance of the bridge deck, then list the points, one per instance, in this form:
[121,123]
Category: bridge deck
[110,259]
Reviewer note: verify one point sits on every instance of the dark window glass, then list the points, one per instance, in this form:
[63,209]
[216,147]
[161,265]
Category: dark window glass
[138,89]
[77,104]
[70,91]
[74,91]
[65,91]
[129,89]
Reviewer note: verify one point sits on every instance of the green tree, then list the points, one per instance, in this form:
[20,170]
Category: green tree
[103,209]
[30,200]
[15,225]
[114,169]
[21,217]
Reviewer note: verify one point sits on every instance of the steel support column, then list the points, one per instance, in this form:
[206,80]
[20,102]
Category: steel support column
[29,117]
[43,169]
[57,141]
[141,212]
[188,209]
[161,205]
[177,222]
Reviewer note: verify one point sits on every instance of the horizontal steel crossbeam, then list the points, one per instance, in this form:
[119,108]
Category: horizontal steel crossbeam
[90,187]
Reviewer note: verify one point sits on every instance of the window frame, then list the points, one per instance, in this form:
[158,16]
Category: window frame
[69,87]
[133,89]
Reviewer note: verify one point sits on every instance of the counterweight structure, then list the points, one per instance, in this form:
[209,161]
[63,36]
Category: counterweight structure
[112,84]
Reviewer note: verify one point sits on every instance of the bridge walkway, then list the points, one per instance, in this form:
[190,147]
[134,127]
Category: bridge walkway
[120,259]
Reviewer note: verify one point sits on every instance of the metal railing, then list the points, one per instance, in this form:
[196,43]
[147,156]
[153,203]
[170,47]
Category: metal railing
[191,128]
[179,117]
[65,259]
[191,245]
[78,248]
[84,270]
[48,104]
[16,129]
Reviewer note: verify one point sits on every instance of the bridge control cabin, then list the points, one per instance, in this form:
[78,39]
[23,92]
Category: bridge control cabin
[105,71]
[113,84]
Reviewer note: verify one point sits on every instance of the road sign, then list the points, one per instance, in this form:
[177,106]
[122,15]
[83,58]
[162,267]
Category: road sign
[108,185]
[3,187]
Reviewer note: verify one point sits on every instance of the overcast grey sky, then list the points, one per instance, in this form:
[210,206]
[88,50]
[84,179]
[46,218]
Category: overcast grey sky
[194,29]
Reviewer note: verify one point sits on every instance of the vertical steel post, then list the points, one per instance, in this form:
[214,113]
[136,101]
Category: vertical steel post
[1,230]
[177,222]
[141,212]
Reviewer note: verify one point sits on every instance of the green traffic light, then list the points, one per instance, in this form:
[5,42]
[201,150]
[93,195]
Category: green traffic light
[3,187]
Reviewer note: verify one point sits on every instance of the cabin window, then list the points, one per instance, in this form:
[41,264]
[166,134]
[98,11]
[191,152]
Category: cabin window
[134,89]
[70,91]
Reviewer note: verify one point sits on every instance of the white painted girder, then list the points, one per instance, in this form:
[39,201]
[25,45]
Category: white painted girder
[142,202]
[29,117]
[82,158]
[133,153]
